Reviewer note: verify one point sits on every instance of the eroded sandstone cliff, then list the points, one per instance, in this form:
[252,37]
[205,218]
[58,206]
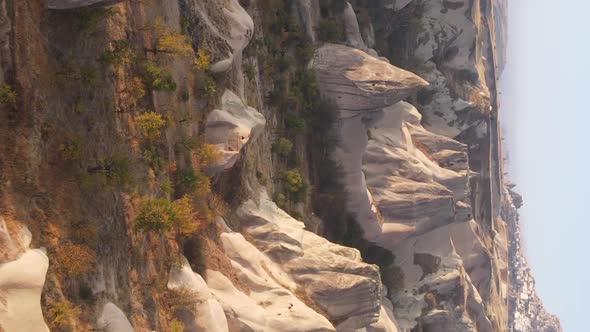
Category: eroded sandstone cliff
[206,165]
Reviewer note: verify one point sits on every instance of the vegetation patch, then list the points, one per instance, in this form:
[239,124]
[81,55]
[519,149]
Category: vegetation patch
[74,259]
[150,125]
[157,78]
[7,95]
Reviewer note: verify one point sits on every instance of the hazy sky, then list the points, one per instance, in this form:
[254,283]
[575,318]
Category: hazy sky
[545,98]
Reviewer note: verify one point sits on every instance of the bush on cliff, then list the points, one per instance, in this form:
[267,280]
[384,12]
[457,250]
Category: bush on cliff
[74,259]
[150,125]
[157,78]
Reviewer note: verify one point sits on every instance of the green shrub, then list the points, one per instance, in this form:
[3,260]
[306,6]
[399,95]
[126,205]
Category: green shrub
[202,61]
[89,76]
[71,149]
[330,31]
[293,181]
[295,124]
[78,107]
[304,51]
[166,186]
[61,312]
[89,19]
[176,326]
[175,43]
[208,85]
[157,78]
[190,181]
[306,89]
[152,158]
[112,171]
[186,219]
[155,215]
[249,71]
[282,147]
[207,155]
[119,55]
[7,95]
[150,125]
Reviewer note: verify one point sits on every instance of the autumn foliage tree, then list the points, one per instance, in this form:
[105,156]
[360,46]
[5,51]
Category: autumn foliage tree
[74,259]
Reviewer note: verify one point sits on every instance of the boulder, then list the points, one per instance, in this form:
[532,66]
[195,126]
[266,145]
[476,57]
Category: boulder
[230,128]
[112,319]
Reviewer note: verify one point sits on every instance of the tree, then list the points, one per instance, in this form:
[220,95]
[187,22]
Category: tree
[150,125]
[61,312]
[113,170]
[186,218]
[157,78]
[176,43]
[207,155]
[293,181]
[74,259]
[119,55]
[7,95]
[202,60]
[155,214]
[282,147]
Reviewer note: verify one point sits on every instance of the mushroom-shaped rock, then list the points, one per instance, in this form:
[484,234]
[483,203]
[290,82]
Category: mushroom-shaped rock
[231,128]
[71,4]
[357,81]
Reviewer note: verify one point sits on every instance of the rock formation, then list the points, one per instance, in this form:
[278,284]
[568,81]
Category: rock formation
[196,157]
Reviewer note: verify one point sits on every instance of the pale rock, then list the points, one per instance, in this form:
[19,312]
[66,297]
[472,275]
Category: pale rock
[309,13]
[430,264]
[230,128]
[271,304]
[358,82]
[112,319]
[334,276]
[351,28]
[208,313]
[360,86]
[21,283]
[292,274]
[228,29]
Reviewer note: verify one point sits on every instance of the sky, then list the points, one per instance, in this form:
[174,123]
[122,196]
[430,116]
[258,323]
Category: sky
[544,111]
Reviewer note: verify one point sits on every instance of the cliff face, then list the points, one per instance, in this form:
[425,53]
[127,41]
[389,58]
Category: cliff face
[206,165]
